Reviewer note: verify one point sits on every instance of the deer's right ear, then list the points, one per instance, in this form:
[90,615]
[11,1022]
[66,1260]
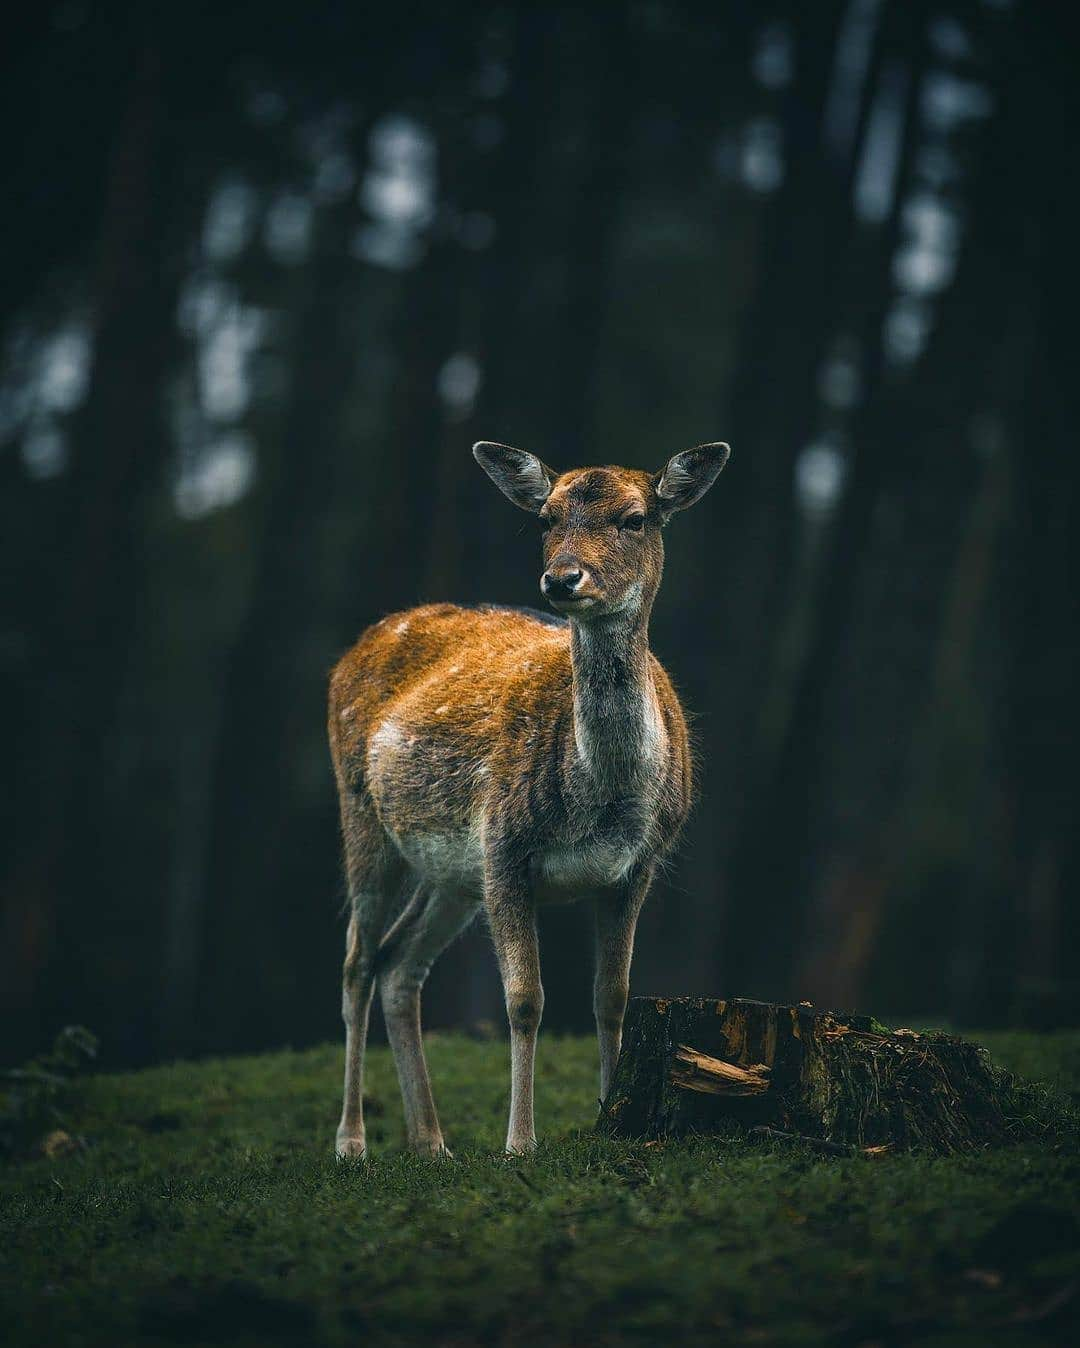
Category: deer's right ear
[688,476]
[517,474]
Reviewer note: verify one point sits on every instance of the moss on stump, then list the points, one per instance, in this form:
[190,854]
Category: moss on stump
[696,1064]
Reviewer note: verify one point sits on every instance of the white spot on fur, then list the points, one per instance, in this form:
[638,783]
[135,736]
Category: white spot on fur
[441,711]
[632,599]
[350,710]
[402,627]
[654,738]
[389,735]
[454,669]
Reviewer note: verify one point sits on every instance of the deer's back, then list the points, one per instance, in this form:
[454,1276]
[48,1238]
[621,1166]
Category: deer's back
[455,681]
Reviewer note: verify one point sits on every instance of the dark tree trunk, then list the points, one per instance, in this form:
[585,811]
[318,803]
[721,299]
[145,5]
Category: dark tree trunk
[749,547]
[907,738]
[605,93]
[255,797]
[1030,963]
[778,877]
[70,894]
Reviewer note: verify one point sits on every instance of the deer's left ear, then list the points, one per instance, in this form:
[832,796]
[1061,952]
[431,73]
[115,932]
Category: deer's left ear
[518,474]
[689,475]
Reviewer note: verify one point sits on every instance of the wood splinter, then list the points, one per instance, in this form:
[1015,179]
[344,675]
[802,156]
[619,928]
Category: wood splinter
[694,1071]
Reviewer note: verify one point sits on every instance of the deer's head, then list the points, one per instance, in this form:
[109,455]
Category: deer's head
[603,552]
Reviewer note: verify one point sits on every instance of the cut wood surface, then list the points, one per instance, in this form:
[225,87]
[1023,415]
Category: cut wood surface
[697,1064]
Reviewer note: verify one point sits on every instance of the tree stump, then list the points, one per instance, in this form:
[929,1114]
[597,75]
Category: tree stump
[844,1082]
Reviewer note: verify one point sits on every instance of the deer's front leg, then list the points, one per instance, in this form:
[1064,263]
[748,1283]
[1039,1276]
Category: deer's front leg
[616,918]
[512,915]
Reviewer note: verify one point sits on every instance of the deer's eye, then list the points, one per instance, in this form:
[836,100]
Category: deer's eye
[634,522]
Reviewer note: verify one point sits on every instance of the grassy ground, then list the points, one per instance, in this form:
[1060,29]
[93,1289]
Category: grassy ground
[207,1209]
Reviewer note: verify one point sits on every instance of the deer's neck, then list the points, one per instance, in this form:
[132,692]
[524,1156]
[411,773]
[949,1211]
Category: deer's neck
[618,730]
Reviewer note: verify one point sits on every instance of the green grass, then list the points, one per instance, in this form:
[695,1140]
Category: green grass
[207,1208]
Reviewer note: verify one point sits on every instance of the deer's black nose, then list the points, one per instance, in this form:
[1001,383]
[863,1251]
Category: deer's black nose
[561,579]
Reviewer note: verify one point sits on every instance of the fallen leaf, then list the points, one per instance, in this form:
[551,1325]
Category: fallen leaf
[983,1277]
[58,1143]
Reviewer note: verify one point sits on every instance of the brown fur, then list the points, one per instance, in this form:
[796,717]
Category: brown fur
[490,756]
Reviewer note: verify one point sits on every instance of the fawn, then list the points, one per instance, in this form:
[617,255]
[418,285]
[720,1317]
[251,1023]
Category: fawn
[499,758]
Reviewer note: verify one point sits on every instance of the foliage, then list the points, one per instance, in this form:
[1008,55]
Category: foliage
[210,1209]
[33,1098]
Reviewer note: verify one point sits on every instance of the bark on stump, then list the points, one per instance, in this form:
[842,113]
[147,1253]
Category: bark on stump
[696,1064]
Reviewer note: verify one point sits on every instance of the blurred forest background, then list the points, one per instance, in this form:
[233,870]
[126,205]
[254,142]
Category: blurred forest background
[270,271]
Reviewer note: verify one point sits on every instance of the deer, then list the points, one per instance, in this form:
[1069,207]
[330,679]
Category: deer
[493,759]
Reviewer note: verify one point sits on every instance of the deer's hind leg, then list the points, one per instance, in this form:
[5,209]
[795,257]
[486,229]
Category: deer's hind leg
[433,918]
[374,874]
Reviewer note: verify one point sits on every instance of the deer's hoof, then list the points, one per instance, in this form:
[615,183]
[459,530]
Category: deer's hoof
[350,1148]
[438,1151]
[521,1147]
